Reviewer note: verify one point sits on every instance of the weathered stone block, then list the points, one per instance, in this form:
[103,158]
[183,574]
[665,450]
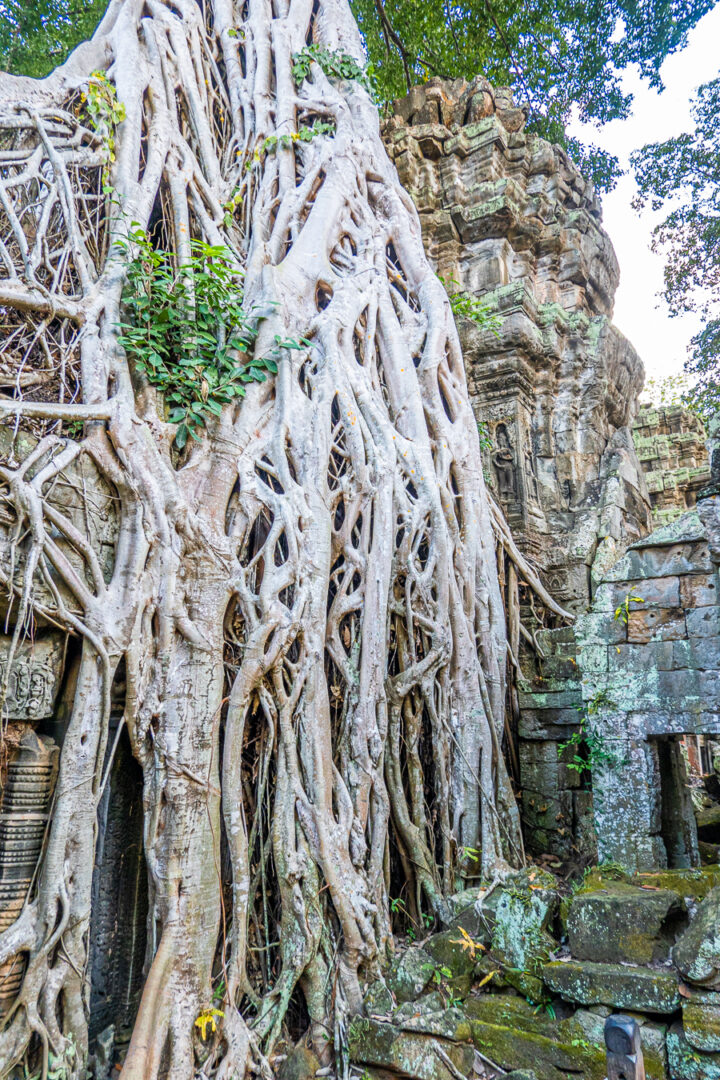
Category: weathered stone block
[685,1062]
[515,1035]
[593,658]
[410,973]
[300,1064]
[600,629]
[703,622]
[651,592]
[520,941]
[657,624]
[701,1026]
[637,988]
[409,1053]
[697,953]
[552,724]
[702,653]
[698,590]
[709,687]
[562,699]
[692,884]
[447,950]
[649,656]
[621,922]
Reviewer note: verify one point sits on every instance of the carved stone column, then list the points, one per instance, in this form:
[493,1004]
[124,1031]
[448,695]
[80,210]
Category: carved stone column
[24,812]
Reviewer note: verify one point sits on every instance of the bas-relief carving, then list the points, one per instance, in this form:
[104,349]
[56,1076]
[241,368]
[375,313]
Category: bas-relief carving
[503,459]
[34,678]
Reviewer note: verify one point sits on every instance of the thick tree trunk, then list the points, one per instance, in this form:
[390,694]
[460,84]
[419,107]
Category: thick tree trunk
[306,602]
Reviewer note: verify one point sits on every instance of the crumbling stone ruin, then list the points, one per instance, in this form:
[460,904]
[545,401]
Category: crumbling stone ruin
[670,445]
[509,219]
[618,712]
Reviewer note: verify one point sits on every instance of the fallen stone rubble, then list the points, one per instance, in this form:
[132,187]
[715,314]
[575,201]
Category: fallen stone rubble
[522,980]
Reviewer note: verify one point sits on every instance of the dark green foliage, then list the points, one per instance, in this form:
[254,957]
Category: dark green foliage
[682,176]
[466,306]
[37,35]
[555,53]
[337,65]
[188,333]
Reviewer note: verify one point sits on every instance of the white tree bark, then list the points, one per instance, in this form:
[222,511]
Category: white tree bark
[309,597]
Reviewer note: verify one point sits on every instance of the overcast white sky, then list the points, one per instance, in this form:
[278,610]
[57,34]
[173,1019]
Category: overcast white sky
[642,317]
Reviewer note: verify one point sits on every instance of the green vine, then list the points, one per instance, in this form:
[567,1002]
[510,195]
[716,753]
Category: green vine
[188,333]
[336,65]
[304,134]
[590,750]
[486,442]
[465,305]
[622,611]
[105,112]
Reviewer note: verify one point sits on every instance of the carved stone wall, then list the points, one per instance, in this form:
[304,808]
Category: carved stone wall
[670,445]
[655,674]
[507,217]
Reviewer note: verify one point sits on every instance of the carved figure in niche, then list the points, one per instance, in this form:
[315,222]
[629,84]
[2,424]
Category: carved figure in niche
[530,477]
[503,460]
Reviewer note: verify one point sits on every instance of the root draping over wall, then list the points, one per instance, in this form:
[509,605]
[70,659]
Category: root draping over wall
[304,600]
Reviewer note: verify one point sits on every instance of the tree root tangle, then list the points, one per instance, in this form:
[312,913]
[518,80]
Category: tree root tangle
[305,603]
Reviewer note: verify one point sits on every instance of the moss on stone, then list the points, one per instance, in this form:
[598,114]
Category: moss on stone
[637,988]
[688,1063]
[691,884]
[515,1035]
[701,1025]
[611,921]
[409,1053]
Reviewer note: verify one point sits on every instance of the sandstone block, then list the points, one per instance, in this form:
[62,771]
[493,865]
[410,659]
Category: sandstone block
[693,884]
[372,1042]
[649,656]
[652,592]
[410,973]
[515,1035]
[697,952]
[686,1062]
[520,940]
[638,988]
[704,622]
[657,624]
[698,590]
[621,922]
[701,1026]
[600,629]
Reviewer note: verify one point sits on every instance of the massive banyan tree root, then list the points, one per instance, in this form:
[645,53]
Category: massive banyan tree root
[305,603]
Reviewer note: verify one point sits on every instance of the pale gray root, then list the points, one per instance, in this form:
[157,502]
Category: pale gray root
[307,602]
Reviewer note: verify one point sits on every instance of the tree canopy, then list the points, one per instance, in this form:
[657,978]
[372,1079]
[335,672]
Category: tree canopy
[682,176]
[557,54]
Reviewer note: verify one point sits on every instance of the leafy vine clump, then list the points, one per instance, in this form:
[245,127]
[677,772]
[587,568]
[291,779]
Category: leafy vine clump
[590,749]
[467,306]
[336,65]
[105,112]
[187,330]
